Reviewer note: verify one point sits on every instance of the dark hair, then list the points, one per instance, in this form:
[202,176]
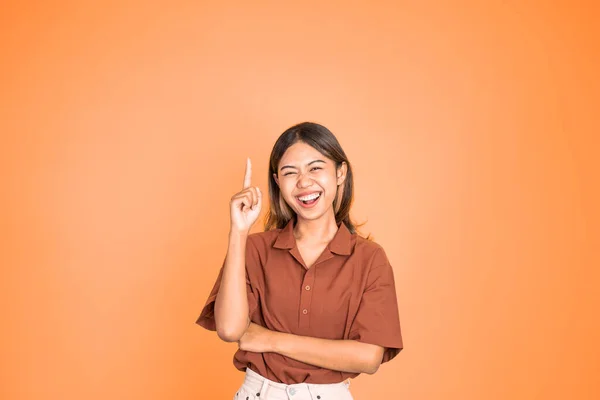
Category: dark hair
[322,140]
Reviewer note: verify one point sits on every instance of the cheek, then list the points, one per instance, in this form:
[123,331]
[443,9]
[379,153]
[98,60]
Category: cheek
[328,183]
[285,188]
[286,191]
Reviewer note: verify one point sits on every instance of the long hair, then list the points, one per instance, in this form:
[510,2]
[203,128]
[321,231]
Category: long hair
[322,140]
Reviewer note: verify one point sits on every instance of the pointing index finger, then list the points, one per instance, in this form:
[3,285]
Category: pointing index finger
[248,175]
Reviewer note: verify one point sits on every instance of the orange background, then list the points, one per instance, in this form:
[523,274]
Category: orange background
[471,127]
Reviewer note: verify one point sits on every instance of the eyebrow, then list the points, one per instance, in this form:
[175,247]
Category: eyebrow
[291,166]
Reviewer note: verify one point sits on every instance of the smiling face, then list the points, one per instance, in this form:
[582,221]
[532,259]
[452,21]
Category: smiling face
[308,180]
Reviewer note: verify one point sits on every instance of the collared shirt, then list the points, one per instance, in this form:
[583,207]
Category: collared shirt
[348,293]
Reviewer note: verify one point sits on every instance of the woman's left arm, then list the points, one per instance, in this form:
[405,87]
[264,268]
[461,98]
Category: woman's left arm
[338,355]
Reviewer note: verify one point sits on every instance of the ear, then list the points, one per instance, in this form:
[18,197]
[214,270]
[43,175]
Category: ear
[341,173]
[276,180]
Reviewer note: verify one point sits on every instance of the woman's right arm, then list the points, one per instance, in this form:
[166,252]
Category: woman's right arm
[231,304]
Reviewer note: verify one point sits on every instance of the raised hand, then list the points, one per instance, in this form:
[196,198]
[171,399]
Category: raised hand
[245,205]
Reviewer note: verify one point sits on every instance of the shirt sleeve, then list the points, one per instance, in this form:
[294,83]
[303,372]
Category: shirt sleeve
[207,315]
[377,320]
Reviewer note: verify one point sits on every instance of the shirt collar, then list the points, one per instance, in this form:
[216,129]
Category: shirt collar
[340,244]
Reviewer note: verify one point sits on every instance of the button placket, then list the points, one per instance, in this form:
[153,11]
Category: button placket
[306,297]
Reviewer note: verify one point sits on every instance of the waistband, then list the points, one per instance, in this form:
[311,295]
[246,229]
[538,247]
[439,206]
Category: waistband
[259,385]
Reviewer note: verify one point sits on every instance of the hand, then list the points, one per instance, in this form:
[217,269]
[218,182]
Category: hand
[245,205]
[257,339]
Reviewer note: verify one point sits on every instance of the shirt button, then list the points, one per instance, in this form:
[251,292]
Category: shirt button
[305,311]
[307,287]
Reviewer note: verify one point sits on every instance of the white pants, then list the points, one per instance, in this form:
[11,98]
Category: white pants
[256,387]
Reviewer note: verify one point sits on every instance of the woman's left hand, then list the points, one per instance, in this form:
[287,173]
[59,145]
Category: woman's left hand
[257,339]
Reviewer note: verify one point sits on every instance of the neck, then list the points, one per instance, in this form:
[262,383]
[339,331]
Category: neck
[317,230]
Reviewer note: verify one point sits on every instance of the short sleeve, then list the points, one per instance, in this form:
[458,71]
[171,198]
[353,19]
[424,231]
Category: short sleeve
[377,320]
[207,315]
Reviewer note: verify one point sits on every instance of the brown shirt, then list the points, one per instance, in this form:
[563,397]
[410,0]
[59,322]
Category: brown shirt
[348,293]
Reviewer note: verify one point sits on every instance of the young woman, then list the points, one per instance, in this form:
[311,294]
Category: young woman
[310,302]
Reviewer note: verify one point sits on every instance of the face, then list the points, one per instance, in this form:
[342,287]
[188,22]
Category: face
[308,180]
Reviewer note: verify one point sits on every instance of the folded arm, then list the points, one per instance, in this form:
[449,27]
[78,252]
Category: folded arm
[338,355]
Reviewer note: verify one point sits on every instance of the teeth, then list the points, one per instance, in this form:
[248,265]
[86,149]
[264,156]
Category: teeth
[310,197]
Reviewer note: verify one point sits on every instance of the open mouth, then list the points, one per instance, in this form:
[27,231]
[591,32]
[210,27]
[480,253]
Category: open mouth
[310,200]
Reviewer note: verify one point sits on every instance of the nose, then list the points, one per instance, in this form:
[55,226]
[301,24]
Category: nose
[303,181]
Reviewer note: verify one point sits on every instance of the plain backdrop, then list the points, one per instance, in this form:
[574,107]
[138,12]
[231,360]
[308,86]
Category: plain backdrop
[472,128]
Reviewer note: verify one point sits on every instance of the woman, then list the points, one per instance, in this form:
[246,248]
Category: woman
[309,301]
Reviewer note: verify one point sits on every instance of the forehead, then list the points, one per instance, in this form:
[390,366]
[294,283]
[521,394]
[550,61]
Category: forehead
[301,153]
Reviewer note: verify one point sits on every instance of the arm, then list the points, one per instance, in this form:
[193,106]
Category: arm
[231,304]
[337,355]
